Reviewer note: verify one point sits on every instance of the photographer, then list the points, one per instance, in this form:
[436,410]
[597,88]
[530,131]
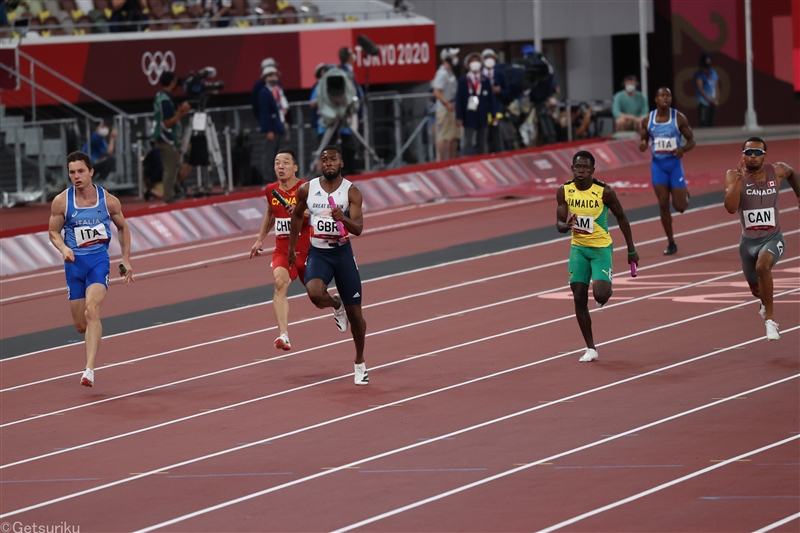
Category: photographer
[166,131]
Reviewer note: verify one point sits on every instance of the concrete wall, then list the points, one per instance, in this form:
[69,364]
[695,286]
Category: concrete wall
[589,72]
[483,21]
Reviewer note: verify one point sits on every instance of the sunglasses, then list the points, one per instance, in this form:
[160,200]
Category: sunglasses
[754,152]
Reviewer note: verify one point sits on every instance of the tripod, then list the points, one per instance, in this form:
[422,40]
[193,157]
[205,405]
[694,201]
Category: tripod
[330,132]
[202,136]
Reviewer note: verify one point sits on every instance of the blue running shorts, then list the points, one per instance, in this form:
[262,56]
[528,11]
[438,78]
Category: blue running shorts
[84,271]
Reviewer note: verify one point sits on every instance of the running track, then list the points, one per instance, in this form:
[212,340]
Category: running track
[478,417]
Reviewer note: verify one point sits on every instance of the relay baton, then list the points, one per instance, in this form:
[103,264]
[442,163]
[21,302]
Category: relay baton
[122,269]
[338,222]
[633,270]
[280,198]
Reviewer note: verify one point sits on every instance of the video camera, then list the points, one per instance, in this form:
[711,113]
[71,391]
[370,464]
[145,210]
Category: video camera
[197,87]
[531,74]
[337,97]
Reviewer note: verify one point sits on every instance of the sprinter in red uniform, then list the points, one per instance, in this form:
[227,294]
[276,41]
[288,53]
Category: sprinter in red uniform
[281,200]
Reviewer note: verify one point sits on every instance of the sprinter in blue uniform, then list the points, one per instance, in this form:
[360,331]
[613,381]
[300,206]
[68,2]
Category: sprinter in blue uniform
[665,126]
[80,228]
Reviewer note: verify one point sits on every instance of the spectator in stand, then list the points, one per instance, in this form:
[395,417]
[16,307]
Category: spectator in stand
[630,107]
[707,90]
[258,85]
[273,83]
[271,125]
[445,87]
[127,15]
[216,11]
[579,119]
[102,150]
[319,71]
[475,103]
[166,132]
[500,93]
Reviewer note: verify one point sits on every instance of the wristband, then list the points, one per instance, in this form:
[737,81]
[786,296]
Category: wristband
[632,253]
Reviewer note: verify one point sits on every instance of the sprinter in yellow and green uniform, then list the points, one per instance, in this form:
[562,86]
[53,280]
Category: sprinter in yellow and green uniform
[583,206]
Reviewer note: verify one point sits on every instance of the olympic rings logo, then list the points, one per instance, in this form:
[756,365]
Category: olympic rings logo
[153,65]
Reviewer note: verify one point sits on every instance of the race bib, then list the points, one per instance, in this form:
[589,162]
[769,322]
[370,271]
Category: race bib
[89,235]
[325,226]
[665,144]
[283,226]
[472,103]
[584,224]
[759,219]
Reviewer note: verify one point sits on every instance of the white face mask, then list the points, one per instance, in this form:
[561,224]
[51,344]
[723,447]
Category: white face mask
[630,88]
[490,62]
[475,66]
[103,132]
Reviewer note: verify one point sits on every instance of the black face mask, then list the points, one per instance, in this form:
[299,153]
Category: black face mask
[272,83]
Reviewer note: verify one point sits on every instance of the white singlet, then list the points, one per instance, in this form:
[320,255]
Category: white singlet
[324,231]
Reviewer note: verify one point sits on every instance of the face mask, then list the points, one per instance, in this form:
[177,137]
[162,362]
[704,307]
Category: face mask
[103,132]
[630,88]
[490,62]
[455,60]
[475,66]
[272,83]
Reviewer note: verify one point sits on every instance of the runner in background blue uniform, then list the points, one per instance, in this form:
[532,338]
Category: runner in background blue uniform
[665,126]
[80,228]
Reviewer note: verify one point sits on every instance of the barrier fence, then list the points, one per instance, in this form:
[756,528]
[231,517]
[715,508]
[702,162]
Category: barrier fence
[541,170]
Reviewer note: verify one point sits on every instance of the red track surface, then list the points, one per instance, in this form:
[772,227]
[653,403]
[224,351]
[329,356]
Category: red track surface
[474,379]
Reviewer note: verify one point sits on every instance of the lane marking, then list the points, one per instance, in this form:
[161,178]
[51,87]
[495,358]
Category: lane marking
[668,484]
[246,255]
[413,271]
[529,465]
[458,432]
[424,293]
[778,524]
[381,332]
[221,240]
[435,439]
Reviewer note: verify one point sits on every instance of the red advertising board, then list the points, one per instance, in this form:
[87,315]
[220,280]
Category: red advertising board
[127,67]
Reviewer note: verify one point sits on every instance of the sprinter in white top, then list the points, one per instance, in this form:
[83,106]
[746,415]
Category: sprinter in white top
[334,205]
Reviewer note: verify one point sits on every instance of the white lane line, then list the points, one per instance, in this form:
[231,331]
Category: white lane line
[388,276]
[435,352]
[246,255]
[472,428]
[388,330]
[368,459]
[778,524]
[551,458]
[668,484]
[195,246]
[424,293]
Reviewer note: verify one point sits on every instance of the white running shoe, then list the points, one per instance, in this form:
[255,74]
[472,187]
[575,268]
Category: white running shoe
[772,330]
[340,315]
[282,342]
[589,356]
[87,379]
[762,311]
[361,375]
